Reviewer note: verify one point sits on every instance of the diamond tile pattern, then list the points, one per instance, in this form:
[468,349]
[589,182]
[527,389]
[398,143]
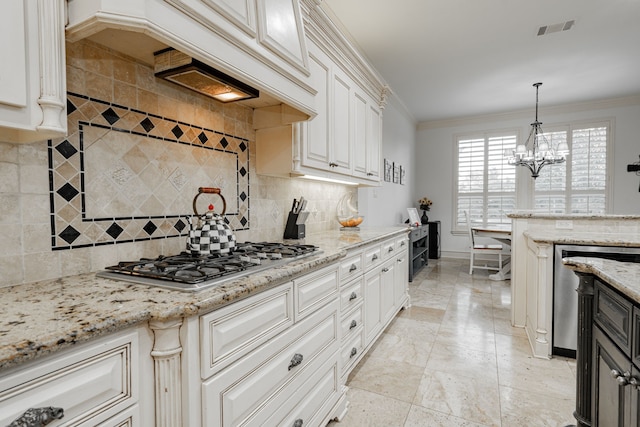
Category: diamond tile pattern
[66,149]
[130,175]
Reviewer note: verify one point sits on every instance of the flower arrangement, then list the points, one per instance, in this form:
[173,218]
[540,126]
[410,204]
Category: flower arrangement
[425,203]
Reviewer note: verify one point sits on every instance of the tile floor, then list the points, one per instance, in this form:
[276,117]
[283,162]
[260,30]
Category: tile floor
[453,359]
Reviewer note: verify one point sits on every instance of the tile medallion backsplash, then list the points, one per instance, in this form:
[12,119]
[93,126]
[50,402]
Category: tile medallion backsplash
[124,175]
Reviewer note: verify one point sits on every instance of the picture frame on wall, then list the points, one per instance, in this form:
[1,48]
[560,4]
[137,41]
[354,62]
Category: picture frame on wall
[387,170]
[396,173]
[402,175]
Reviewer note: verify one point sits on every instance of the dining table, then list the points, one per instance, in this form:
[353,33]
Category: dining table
[502,235]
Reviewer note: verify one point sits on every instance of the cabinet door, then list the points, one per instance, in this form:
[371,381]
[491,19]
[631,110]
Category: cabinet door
[316,144]
[360,130]
[341,115]
[374,142]
[401,277]
[372,319]
[387,290]
[612,395]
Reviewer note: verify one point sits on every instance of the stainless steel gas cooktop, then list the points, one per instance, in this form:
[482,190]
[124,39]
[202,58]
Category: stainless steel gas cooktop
[191,273]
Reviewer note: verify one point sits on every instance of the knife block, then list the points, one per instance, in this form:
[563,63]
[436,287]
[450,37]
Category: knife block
[293,230]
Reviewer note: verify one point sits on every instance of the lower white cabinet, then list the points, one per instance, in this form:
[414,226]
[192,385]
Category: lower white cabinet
[96,383]
[270,359]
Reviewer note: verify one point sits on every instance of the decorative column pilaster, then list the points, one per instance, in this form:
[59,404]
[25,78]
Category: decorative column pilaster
[52,99]
[166,355]
[584,353]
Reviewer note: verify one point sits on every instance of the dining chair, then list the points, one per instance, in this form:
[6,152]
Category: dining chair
[481,249]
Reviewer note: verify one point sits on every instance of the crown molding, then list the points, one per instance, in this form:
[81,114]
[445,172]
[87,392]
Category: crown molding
[520,114]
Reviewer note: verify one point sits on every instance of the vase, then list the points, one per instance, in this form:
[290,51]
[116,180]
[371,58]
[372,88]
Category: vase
[424,219]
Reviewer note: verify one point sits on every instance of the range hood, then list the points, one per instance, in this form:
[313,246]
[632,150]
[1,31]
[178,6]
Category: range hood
[179,68]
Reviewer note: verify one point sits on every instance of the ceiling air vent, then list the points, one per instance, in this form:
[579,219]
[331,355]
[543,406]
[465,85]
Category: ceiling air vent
[556,28]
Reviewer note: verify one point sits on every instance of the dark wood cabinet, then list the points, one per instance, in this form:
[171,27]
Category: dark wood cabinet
[434,239]
[613,366]
[418,249]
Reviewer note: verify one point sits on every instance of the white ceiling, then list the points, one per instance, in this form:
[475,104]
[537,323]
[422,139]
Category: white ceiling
[456,58]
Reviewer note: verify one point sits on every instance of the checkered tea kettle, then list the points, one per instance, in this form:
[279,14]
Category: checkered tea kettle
[210,234]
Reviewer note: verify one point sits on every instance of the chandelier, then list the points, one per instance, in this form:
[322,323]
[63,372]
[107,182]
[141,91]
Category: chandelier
[537,151]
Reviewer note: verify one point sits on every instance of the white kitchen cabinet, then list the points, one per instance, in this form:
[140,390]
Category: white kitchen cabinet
[341,142]
[257,355]
[32,77]
[97,383]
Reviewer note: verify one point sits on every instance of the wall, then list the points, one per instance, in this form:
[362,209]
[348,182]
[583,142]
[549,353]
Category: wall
[47,187]
[387,204]
[435,155]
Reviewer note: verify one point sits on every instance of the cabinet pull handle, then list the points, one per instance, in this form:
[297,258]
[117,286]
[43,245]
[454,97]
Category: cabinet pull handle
[369,174]
[333,165]
[384,270]
[353,324]
[37,417]
[622,379]
[298,423]
[353,296]
[374,257]
[295,361]
[399,259]
[353,268]
[402,243]
[390,249]
[354,351]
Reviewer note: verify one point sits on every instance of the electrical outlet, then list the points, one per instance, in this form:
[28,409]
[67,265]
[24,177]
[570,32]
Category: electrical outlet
[564,224]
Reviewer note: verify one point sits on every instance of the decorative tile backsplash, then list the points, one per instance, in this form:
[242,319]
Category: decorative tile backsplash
[124,175]
[137,150]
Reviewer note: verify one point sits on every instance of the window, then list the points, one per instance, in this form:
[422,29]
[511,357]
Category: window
[577,186]
[485,182]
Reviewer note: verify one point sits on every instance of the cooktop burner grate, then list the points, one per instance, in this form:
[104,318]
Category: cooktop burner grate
[195,272]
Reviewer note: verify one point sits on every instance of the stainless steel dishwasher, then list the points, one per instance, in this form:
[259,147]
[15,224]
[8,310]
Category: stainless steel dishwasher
[565,297]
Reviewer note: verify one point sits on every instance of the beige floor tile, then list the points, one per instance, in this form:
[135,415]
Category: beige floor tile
[474,339]
[403,349]
[367,409]
[423,314]
[524,408]
[462,360]
[422,417]
[416,329]
[389,378]
[472,398]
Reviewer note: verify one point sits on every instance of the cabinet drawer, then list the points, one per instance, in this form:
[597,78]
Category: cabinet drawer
[351,352]
[350,323]
[372,256]
[91,384]
[234,395]
[232,331]
[388,249]
[315,290]
[614,315]
[351,295]
[350,267]
[402,243]
[311,399]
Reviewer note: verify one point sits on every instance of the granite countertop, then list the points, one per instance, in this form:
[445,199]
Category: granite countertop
[569,237]
[42,317]
[539,215]
[623,276]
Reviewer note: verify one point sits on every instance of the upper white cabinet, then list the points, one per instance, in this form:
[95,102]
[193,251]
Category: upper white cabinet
[32,77]
[261,43]
[343,140]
